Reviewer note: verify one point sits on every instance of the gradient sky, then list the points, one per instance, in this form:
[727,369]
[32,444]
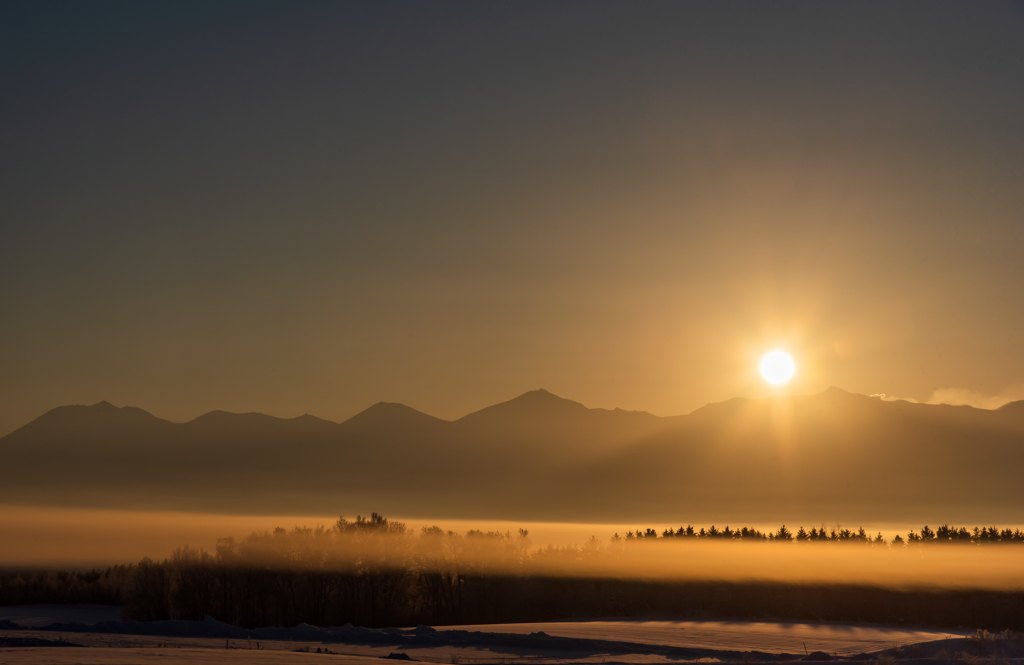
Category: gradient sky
[312,207]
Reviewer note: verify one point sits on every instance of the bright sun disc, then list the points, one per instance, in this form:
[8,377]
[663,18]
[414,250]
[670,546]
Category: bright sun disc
[777,367]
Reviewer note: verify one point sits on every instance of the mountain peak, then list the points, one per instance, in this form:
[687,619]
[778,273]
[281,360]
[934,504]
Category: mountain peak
[541,396]
[101,416]
[392,413]
[533,404]
[1012,407]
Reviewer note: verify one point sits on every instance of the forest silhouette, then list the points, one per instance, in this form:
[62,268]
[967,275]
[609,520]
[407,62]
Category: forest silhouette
[376,572]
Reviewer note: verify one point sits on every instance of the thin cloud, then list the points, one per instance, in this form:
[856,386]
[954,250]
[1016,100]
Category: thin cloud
[961,396]
[893,398]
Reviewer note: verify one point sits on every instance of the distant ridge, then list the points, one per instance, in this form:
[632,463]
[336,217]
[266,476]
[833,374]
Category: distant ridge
[1012,407]
[76,418]
[835,455]
[391,412]
[532,404]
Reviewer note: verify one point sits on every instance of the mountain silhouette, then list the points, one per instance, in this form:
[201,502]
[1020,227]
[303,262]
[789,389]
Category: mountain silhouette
[831,456]
[549,427]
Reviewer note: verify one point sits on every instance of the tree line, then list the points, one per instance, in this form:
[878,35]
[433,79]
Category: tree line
[95,586]
[375,572]
[943,534]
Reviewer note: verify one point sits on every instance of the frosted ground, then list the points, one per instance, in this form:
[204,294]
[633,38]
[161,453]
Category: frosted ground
[580,642]
[768,636]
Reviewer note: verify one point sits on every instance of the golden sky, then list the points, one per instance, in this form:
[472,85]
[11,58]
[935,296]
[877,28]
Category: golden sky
[315,208]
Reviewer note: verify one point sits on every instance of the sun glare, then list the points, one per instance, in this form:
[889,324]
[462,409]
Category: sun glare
[777,367]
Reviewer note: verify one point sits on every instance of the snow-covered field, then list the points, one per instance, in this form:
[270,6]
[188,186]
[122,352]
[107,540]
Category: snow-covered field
[581,642]
[767,636]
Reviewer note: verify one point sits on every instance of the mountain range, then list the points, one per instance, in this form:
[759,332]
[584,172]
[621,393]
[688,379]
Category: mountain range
[828,457]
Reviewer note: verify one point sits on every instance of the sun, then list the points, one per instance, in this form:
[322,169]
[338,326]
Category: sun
[777,367]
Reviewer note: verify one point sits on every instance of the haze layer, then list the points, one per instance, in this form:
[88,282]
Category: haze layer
[834,456]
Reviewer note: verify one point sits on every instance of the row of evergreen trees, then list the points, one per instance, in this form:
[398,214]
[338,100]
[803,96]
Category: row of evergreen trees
[943,534]
[375,572]
[96,586]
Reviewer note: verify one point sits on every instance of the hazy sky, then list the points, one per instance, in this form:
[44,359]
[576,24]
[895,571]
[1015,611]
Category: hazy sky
[312,207]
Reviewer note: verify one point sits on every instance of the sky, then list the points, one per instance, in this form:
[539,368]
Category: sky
[312,207]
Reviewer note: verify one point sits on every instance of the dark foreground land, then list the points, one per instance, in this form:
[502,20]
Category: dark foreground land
[171,642]
[251,598]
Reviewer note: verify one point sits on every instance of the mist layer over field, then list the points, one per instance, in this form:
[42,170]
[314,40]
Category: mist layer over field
[39,536]
[899,567]
[50,537]
[351,545]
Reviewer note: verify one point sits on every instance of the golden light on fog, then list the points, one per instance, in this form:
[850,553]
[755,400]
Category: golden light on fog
[777,367]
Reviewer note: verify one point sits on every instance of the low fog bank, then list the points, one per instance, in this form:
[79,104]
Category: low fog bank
[39,537]
[55,537]
[50,538]
[931,558]
[378,572]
